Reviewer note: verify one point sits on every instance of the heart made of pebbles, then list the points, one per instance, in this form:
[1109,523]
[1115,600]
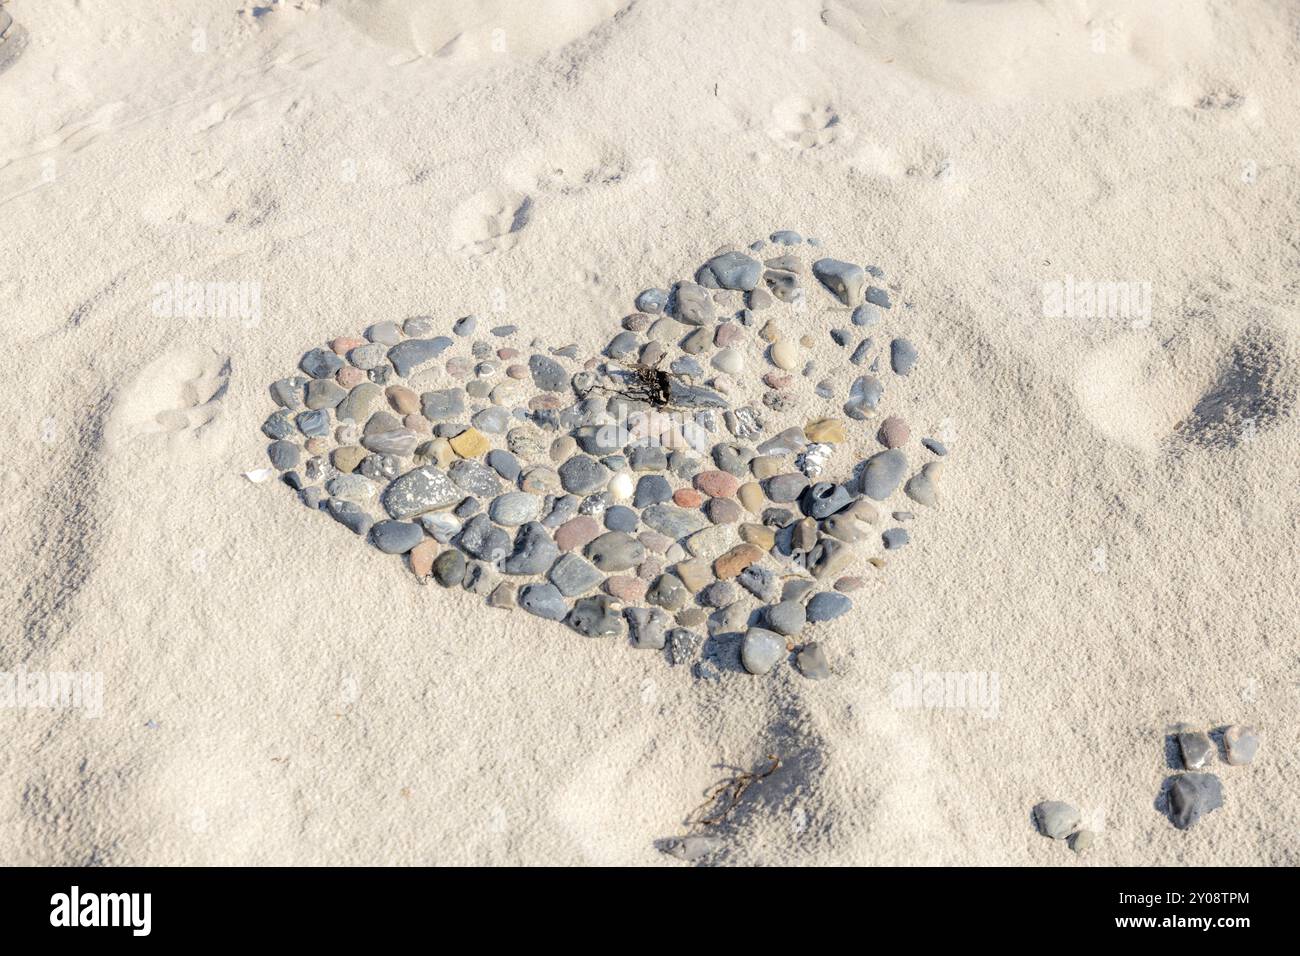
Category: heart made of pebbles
[673,484]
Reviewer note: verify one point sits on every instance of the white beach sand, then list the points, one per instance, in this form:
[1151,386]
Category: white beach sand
[276,693]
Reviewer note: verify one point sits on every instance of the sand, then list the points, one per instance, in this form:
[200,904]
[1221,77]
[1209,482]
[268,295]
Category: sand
[1115,551]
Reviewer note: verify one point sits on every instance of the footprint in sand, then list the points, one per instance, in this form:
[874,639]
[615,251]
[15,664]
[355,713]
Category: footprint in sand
[801,122]
[178,396]
[13,39]
[490,221]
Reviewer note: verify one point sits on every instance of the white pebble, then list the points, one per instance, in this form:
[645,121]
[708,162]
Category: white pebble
[785,355]
[621,486]
[728,361]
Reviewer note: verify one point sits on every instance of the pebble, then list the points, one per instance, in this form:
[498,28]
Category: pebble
[787,617]
[652,301]
[717,594]
[544,600]
[867,314]
[504,331]
[350,514]
[694,573]
[320,363]
[731,270]
[351,487]
[1241,743]
[534,551]
[923,488]
[1056,819]
[882,473]
[621,485]
[825,430]
[761,650]
[385,333]
[751,496]
[573,575]
[785,488]
[784,355]
[449,568]
[503,463]
[736,560]
[648,458]
[515,508]
[647,627]
[651,490]
[577,533]
[442,525]
[902,356]
[615,551]
[422,489]
[1082,840]
[582,475]
[812,663]
[824,499]
[864,395]
[827,605]
[548,374]
[442,404]
[471,443]
[1196,749]
[396,537]
[475,478]
[895,538]
[493,420]
[894,432]
[502,596]
[674,522]
[323,393]
[723,511]
[483,540]
[668,592]
[691,304]
[843,279]
[283,454]
[717,484]
[760,582]
[411,354]
[728,361]
[467,508]
[598,616]
[732,459]
[313,424]
[1192,796]
[287,392]
[626,588]
[621,518]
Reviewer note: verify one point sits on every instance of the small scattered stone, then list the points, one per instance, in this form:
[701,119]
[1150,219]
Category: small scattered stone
[1192,796]
[827,605]
[894,432]
[1241,744]
[1196,749]
[396,537]
[761,650]
[843,279]
[1056,819]
[449,568]
[787,618]
[902,356]
[812,663]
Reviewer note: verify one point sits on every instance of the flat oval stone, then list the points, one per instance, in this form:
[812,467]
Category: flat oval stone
[902,356]
[360,403]
[582,475]
[398,441]
[548,374]
[672,521]
[731,270]
[615,551]
[475,478]
[409,355]
[544,600]
[827,605]
[515,508]
[651,490]
[882,473]
[573,575]
[812,663]
[422,489]
[761,650]
[396,537]
[787,618]
[785,488]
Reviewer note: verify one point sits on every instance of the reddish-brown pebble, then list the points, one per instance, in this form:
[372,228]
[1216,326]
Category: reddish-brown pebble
[422,556]
[735,561]
[349,376]
[727,334]
[507,354]
[627,589]
[849,583]
[894,432]
[345,344]
[577,532]
[717,484]
[687,498]
[777,380]
[403,399]
[517,371]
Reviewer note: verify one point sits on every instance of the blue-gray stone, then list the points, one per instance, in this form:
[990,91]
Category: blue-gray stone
[503,331]
[862,352]
[651,490]
[418,326]
[396,537]
[843,279]
[717,594]
[287,392]
[407,356]
[864,395]
[442,404]
[895,538]
[503,463]
[760,582]
[467,508]
[474,477]
[465,326]
[493,420]
[731,270]
[686,366]
[279,425]
[812,663]
[824,499]
[786,618]
[786,237]
[683,395]
[784,488]
[622,345]
[883,472]
[877,296]
[841,337]
[828,605]
[534,551]
[320,363]
[866,314]
[691,304]
[761,650]
[314,424]
[350,514]
[422,489]
[385,333]
[615,551]
[648,458]
[573,575]
[621,518]
[936,446]
[673,521]
[647,627]
[367,356]
[652,301]
[598,439]
[548,374]
[1056,819]
[902,356]
[544,600]
[581,475]
[561,510]
[515,508]
[482,539]
[598,616]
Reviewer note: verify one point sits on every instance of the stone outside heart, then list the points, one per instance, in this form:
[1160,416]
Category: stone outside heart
[701,477]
